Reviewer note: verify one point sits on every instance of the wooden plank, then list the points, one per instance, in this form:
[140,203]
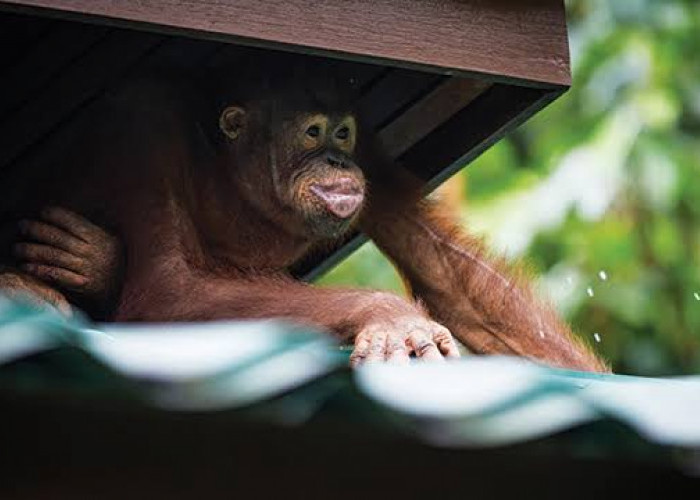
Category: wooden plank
[72,89]
[358,74]
[182,54]
[459,140]
[50,148]
[428,113]
[362,77]
[391,94]
[61,45]
[17,35]
[515,39]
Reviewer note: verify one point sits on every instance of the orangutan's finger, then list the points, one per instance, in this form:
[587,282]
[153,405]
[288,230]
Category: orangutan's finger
[52,235]
[55,275]
[361,351]
[377,348]
[397,351]
[71,222]
[446,342]
[44,254]
[423,346]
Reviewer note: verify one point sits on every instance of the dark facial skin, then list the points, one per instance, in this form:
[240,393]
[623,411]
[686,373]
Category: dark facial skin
[323,183]
[314,183]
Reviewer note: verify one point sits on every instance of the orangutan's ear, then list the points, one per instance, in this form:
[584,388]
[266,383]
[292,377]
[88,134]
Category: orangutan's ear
[232,122]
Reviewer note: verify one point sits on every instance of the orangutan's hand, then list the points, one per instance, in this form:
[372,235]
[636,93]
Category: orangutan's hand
[395,339]
[71,253]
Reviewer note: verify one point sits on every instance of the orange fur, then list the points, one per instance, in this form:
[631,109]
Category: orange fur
[210,233]
[487,304]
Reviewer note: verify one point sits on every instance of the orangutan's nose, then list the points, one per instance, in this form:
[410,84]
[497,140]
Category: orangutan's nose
[335,161]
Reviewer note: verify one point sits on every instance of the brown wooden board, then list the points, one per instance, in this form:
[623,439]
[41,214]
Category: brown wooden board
[61,45]
[431,122]
[520,39]
[17,35]
[70,90]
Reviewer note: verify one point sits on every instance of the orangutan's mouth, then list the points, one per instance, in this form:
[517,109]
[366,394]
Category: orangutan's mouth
[342,197]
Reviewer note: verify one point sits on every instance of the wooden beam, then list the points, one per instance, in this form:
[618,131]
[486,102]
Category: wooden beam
[18,34]
[42,63]
[397,89]
[428,113]
[524,40]
[474,129]
[71,90]
[43,152]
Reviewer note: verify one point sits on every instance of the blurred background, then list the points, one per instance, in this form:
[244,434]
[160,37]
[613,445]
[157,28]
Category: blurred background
[600,193]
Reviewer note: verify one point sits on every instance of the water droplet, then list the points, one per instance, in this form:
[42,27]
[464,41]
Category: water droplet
[541,334]
[603,275]
[696,295]
[597,338]
[589,291]
[352,81]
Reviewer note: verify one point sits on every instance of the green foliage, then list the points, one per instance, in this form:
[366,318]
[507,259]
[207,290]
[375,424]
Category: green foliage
[366,268]
[605,179]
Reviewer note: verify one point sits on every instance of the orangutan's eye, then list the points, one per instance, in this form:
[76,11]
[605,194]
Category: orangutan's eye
[343,134]
[313,131]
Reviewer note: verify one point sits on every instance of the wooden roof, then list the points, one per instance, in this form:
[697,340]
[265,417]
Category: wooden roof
[441,80]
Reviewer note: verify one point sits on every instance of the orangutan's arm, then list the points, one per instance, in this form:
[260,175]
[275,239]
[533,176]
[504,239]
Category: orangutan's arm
[485,304]
[383,326]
